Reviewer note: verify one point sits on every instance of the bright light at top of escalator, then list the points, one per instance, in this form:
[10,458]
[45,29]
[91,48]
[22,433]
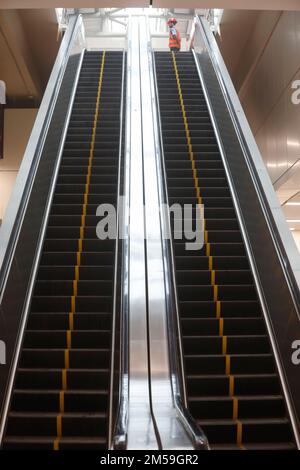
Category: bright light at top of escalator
[293,143]
[59,14]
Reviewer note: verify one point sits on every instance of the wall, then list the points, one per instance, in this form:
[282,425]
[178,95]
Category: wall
[266,96]
[17,127]
[263,59]
[268,63]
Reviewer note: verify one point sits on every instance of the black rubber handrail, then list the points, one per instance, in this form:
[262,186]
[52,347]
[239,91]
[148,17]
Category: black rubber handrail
[118,417]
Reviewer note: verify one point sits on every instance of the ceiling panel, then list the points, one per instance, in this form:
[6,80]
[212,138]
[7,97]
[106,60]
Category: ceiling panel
[226,4]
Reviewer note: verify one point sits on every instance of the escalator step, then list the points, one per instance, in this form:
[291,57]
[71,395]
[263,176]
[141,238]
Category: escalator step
[37,401]
[61,321]
[44,443]
[44,424]
[216,385]
[51,379]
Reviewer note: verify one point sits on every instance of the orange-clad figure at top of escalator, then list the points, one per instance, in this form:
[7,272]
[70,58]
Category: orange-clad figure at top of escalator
[174,35]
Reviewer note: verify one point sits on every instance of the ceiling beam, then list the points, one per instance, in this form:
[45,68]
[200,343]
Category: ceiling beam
[226,4]
[19,53]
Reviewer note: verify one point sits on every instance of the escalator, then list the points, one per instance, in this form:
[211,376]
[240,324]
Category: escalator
[60,398]
[233,387]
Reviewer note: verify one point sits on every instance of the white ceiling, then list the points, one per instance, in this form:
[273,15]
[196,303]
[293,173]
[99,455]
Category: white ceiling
[225,4]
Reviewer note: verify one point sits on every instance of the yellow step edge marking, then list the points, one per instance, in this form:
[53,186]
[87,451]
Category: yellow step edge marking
[71,321]
[239,433]
[62,401]
[83,220]
[73,304]
[221,326]
[67,360]
[215,293]
[218,309]
[231,385]
[69,339]
[75,290]
[227,371]
[224,345]
[59,425]
[64,379]
[235,408]
[56,444]
[210,263]
[76,273]
[78,258]
[213,277]
[208,254]
[206,237]
[200,202]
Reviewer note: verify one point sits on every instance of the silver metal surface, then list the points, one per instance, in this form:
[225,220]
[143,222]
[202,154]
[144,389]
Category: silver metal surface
[141,432]
[73,48]
[205,41]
